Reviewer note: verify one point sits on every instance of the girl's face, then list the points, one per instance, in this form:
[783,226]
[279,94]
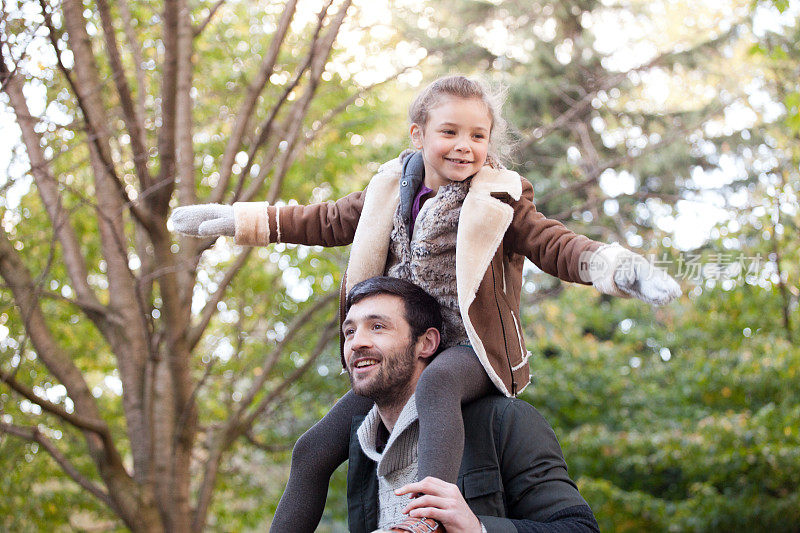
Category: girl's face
[455,140]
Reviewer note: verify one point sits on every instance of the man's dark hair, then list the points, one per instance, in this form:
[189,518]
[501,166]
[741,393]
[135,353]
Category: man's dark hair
[422,311]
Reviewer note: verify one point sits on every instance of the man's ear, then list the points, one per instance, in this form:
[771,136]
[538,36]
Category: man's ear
[416,136]
[428,343]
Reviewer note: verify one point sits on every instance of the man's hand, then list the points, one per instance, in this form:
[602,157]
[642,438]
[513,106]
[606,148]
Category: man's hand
[205,220]
[441,501]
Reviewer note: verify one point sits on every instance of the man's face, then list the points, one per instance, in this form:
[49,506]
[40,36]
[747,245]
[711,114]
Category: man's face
[379,351]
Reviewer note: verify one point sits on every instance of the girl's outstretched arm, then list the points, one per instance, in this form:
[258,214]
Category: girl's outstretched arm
[204,220]
[619,272]
[258,223]
[569,256]
[551,246]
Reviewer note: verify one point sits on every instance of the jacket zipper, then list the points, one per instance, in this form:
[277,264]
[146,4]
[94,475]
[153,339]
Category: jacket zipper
[503,327]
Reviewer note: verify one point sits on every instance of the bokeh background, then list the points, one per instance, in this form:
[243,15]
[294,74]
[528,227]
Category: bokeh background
[154,382]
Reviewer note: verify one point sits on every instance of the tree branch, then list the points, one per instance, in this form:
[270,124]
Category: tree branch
[33,434]
[320,57]
[60,364]
[320,53]
[266,447]
[265,130]
[320,124]
[594,168]
[133,122]
[265,133]
[584,103]
[47,186]
[777,252]
[131,343]
[80,422]
[98,143]
[199,29]
[101,446]
[531,300]
[136,51]
[89,309]
[210,309]
[16,61]
[235,427]
[175,146]
[272,358]
[185,145]
[165,181]
[245,113]
[330,332]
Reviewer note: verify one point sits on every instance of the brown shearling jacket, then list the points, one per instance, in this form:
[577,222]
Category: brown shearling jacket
[498,227]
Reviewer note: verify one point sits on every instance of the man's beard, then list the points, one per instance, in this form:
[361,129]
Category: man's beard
[391,384]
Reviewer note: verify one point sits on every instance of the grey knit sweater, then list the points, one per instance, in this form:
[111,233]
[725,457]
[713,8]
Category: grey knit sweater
[397,464]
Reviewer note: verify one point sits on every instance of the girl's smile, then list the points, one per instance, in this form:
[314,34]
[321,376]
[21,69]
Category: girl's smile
[455,140]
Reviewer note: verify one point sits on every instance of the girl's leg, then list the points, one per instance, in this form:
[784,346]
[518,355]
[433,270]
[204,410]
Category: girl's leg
[455,376]
[316,454]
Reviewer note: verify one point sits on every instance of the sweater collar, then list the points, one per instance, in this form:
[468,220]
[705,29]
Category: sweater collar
[401,448]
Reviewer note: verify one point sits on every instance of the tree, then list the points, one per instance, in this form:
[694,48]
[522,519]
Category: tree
[677,419]
[134,397]
[157,382]
[609,101]
[767,224]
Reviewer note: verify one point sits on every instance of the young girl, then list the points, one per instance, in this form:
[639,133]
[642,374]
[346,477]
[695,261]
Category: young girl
[449,218]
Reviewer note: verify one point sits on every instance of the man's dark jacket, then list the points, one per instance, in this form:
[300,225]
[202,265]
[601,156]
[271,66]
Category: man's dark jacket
[513,475]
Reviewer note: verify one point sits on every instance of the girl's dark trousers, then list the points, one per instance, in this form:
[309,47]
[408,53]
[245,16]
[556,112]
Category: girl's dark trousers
[453,377]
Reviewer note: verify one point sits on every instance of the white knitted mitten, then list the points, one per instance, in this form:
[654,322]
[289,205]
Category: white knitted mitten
[619,272]
[205,220]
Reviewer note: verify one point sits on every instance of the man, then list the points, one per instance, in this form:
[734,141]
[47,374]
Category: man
[513,476]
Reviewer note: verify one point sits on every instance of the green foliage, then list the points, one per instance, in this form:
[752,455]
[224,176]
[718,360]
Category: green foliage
[780,5]
[679,419]
[586,124]
[36,492]
[700,437]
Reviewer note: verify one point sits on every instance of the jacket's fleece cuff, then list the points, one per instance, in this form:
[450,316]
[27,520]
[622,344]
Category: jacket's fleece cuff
[251,222]
[600,266]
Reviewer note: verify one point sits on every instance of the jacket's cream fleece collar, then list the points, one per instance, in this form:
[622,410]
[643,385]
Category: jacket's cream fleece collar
[371,241]
[481,228]
[496,182]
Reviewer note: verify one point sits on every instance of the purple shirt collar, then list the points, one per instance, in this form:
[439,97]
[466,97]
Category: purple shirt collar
[415,207]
